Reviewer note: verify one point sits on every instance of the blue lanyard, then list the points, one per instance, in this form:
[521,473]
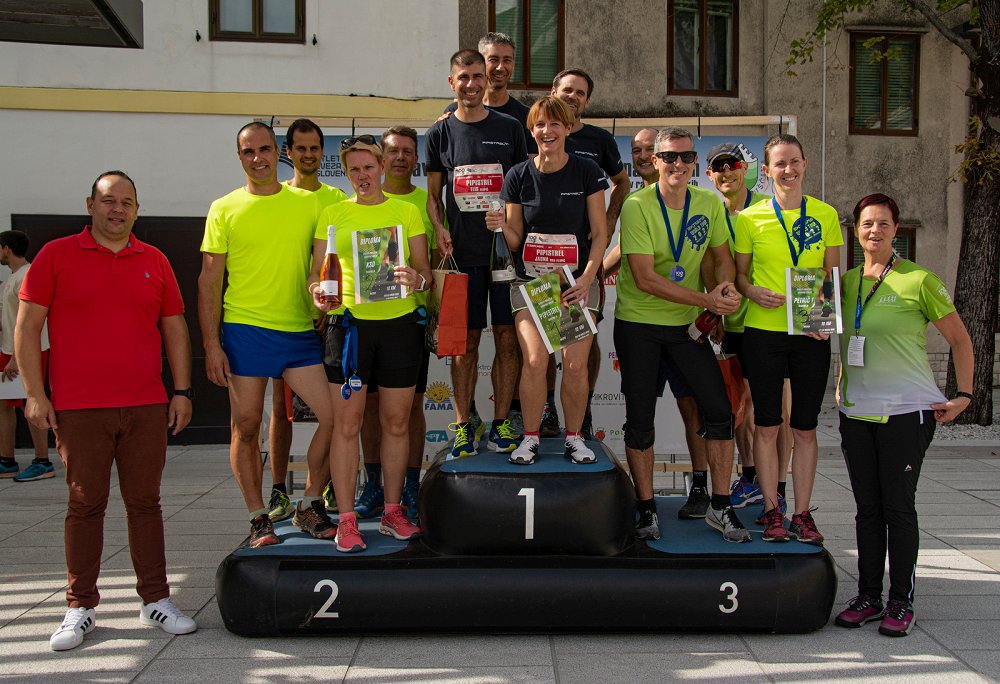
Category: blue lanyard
[802,229]
[349,357]
[678,247]
[729,223]
[861,278]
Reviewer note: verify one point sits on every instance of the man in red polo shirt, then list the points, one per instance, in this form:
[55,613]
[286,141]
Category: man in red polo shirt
[109,300]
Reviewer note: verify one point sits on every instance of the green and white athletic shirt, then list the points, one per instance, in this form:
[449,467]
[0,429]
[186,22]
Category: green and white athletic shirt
[896,377]
[734,321]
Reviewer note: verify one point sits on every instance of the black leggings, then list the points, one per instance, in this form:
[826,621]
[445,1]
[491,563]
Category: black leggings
[769,356]
[883,462]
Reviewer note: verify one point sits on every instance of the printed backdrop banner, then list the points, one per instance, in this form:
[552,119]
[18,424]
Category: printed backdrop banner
[609,403]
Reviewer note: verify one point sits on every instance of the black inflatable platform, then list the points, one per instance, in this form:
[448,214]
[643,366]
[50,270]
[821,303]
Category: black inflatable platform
[690,579]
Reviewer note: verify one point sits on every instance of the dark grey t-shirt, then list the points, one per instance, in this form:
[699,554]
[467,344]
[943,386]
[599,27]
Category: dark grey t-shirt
[597,145]
[515,109]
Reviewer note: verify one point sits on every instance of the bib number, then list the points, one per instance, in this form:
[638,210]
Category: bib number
[477,186]
[544,253]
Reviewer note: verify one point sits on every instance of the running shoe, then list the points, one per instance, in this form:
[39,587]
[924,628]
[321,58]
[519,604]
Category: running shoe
[696,505]
[587,429]
[329,499]
[314,521]
[464,444]
[411,489]
[503,439]
[648,525]
[280,506]
[478,428]
[78,621]
[349,539]
[860,610]
[743,493]
[727,522]
[774,526]
[168,617]
[36,471]
[516,423]
[550,422]
[525,453]
[394,524]
[9,470]
[898,619]
[803,528]
[578,451]
[782,506]
[371,501]
[261,533]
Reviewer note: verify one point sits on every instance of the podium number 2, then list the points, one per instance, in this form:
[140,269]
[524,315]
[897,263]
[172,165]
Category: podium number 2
[731,597]
[323,612]
[529,511]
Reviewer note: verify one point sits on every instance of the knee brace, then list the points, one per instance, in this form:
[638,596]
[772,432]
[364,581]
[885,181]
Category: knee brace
[639,439]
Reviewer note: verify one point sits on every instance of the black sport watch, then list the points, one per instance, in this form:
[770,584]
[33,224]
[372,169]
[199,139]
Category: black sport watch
[189,393]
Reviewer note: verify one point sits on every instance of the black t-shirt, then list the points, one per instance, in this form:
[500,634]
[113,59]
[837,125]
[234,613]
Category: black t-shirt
[453,143]
[515,109]
[597,145]
[555,203]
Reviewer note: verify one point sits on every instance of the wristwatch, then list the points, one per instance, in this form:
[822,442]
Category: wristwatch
[189,393]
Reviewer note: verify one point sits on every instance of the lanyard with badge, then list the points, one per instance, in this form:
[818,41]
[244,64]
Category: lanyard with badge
[801,237]
[677,273]
[856,347]
[729,222]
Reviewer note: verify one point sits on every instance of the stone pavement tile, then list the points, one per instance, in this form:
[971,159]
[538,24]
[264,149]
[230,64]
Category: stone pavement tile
[913,670]
[653,667]
[452,675]
[190,577]
[944,585]
[13,514]
[972,507]
[54,538]
[17,598]
[611,643]
[989,557]
[207,528]
[946,562]
[70,678]
[250,671]
[453,651]
[837,644]
[985,537]
[221,644]
[204,542]
[976,607]
[964,634]
[986,662]
[124,598]
[936,523]
[195,515]
[209,617]
[955,499]
[175,559]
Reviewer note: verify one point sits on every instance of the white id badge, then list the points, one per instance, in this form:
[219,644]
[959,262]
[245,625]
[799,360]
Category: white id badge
[856,351]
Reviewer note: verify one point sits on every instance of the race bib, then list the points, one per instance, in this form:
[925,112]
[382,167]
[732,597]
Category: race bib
[476,186]
[544,253]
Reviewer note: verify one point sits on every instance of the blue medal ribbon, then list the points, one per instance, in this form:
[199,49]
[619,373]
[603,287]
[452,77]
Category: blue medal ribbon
[349,357]
[801,238]
[859,307]
[729,223]
[676,249]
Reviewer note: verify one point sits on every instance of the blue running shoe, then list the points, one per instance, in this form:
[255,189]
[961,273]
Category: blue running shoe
[9,470]
[782,506]
[465,444]
[36,471]
[502,437]
[411,489]
[743,493]
[371,502]
[478,428]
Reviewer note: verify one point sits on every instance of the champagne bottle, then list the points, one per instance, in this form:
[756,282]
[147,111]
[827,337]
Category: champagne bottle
[331,276]
[703,325]
[501,261]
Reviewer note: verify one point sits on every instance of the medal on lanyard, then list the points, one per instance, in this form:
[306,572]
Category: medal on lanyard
[349,358]
[677,273]
[732,233]
[802,229]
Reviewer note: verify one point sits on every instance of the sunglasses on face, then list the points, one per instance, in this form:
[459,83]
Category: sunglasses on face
[365,139]
[727,165]
[687,157]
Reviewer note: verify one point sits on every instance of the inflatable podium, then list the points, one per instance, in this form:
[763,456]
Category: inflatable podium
[540,548]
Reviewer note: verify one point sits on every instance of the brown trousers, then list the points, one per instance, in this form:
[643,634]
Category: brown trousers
[89,441]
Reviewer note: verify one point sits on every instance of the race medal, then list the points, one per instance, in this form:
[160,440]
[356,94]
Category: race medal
[356,383]
[677,273]
[856,351]
[345,391]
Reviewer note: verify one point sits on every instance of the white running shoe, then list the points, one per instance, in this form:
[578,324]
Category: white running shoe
[168,617]
[577,450]
[525,453]
[78,621]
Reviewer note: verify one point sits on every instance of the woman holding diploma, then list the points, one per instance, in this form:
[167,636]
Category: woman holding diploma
[791,230]
[555,217]
[375,330]
[889,406]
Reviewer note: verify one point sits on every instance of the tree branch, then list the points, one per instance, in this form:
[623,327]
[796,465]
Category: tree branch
[935,19]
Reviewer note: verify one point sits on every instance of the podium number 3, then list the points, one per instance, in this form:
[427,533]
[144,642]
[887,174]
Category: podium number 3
[731,597]
[529,511]
[334,592]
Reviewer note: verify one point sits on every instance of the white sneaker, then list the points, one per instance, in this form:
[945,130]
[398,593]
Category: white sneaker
[526,451]
[577,450]
[78,621]
[168,617]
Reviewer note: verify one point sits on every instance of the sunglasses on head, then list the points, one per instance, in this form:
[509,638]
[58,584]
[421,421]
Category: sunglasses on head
[687,157]
[727,165]
[365,139]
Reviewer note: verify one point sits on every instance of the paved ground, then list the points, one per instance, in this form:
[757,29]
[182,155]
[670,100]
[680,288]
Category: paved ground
[957,637]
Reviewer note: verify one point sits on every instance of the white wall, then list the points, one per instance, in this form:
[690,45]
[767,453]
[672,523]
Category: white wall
[392,48]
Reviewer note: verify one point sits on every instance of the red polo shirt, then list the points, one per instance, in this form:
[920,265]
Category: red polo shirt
[104,315]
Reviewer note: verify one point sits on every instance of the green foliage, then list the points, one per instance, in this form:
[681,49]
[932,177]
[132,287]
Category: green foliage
[980,162]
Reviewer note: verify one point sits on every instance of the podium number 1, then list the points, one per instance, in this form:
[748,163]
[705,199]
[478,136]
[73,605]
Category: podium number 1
[529,511]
